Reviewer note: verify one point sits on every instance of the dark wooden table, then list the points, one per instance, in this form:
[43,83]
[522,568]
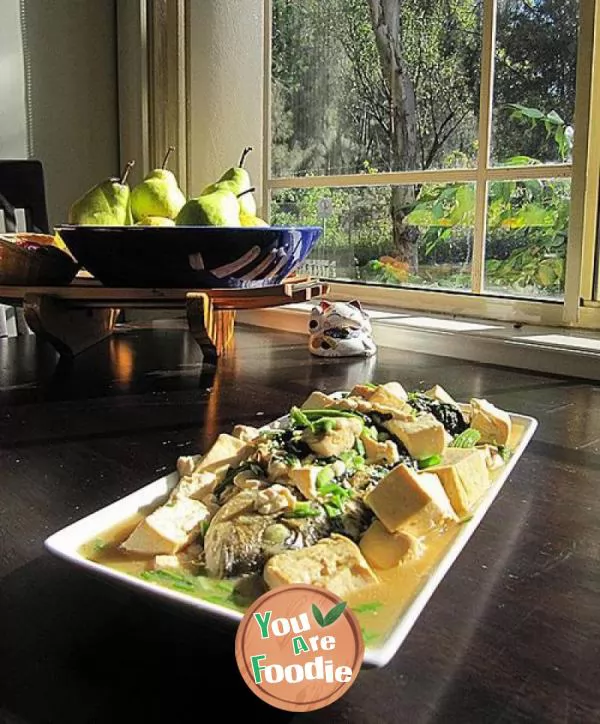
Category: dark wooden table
[511,635]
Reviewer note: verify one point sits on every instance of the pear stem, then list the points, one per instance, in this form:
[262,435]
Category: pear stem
[247,191]
[245,152]
[126,170]
[167,155]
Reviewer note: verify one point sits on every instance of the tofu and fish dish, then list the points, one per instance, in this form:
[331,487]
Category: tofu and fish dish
[359,493]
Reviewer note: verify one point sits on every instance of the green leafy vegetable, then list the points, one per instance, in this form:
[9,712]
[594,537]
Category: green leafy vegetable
[430,461]
[209,589]
[468,438]
[292,461]
[370,385]
[369,607]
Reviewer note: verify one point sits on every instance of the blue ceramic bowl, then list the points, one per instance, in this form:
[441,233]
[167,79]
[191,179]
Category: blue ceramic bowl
[194,257]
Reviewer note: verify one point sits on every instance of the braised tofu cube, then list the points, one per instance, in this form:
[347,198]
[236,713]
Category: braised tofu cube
[317,401]
[168,529]
[227,452]
[395,389]
[410,502]
[245,433]
[423,436]
[197,485]
[364,391]
[390,396]
[186,562]
[439,393]
[464,474]
[493,423]
[380,452]
[384,550]
[334,563]
[305,479]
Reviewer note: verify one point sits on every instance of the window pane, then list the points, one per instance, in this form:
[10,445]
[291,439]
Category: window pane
[346,99]
[358,233]
[534,96]
[527,237]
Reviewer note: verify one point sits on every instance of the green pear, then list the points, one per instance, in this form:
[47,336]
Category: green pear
[237,180]
[249,220]
[155,221]
[106,204]
[158,194]
[220,208]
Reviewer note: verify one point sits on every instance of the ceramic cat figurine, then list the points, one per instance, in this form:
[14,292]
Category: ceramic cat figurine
[340,329]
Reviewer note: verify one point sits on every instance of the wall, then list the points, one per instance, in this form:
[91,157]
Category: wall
[71,49]
[226,88]
[13,126]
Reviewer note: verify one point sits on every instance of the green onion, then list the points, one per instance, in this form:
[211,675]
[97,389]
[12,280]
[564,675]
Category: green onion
[335,489]
[326,475]
[504,452]
[430,461]
[352,459]
[323,426]
[299,418]
[360,448]
[369,636]
[99,545]
[370,432]
[316,414]
[304,510]
[468,438]
[332,510]
[370,385]
[369,607]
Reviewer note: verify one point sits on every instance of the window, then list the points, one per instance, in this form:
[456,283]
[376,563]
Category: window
[432,140]
[447,147]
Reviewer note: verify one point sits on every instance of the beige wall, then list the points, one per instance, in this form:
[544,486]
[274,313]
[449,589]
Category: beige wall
[71,47]
[226,85]
[13,124]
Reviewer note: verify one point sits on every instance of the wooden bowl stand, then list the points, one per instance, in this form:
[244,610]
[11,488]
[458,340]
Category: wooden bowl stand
[75,317]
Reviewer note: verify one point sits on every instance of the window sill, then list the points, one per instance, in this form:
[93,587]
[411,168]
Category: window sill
[530,347]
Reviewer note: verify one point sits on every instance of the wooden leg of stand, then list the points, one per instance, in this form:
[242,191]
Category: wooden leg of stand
[211,328]
[69,331]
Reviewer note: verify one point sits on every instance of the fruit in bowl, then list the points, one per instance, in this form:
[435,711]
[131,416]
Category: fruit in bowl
[155,238]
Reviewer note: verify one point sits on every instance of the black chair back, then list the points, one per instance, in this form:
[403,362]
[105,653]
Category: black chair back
[22,187]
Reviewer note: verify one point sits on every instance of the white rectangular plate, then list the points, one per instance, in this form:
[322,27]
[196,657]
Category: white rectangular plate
[68,541]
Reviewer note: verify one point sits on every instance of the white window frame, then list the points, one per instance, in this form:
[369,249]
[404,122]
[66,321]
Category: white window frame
[584,172]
